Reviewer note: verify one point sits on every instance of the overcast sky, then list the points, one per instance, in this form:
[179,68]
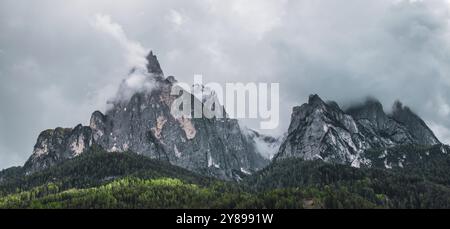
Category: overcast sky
[61,60]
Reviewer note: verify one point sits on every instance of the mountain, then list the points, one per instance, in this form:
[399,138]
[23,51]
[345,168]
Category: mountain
[321,130]
[138,154]
[140,120]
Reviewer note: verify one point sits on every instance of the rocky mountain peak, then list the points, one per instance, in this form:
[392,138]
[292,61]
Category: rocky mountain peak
[333,104]
[398,106]
[416,126]
[371,110]
[370,104]
[315,105]
[56,145]
[142,122]
[403,113]
[153,64]
[323,131]
[315,100]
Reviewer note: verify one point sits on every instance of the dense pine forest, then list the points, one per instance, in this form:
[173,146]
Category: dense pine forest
[126,180]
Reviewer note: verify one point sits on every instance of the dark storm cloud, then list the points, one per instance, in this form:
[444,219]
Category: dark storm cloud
[56,66]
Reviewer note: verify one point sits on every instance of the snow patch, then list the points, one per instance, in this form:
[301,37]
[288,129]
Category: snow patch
[113,149]
[318,157]
[125,146]
[245,171]
[211,163]
[384,154]
[356,163]
[387,165]
[177,152]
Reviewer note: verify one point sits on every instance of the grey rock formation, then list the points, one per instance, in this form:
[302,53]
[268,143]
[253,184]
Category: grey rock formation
[415,125]
[141,121]
[379,130]
[54,146]
[321,130]
[153,64]
[144,124]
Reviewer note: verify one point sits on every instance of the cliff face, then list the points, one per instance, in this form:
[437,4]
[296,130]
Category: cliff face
[146,126]
[143,124]
[56,145]
[415,125]
[321,130]
[140,120]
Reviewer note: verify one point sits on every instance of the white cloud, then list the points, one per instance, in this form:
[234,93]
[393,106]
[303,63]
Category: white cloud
[254,17]
[442,107]
[259,16]
[10,158]
[389,49]
[176,18]
[135,52]
[138,80]
[441,132]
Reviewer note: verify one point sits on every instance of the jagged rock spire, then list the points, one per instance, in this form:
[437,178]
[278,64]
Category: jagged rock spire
[315,99]
[153,64]
[371,110]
